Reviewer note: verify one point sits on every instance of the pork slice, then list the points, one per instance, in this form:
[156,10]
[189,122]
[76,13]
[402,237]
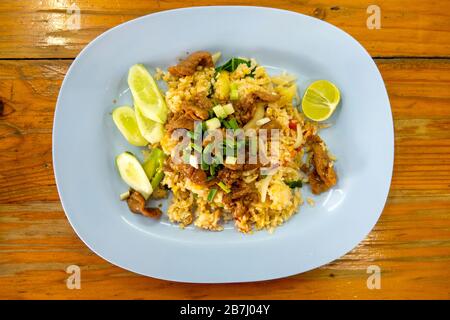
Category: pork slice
[188,66]
[323,176]
[136,204]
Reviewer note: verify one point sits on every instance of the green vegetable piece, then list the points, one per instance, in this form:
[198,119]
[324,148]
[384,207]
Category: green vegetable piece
[233,124]
[212,194]
[232,64]
[153,161]
[294,184]
[156,180]
[224,187]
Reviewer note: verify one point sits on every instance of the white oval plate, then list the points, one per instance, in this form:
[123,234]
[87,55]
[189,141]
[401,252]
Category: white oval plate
[85,143]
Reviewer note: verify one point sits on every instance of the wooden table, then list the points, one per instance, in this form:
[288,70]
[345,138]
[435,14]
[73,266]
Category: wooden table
[410,243]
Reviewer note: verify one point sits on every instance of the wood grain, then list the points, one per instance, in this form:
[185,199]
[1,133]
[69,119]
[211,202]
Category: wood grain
[40,28]
[410,243]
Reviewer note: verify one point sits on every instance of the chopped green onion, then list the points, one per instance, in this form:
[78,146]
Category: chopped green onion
[192,135]
[225,124]
[233,124]
[186,155]
[229,143]
[294,184]
[212,194]
[210,178]
[207,153]
[204,165]
[196,147]
[228,108]
[220,111]
[224,187]
[212,169]
[213,124]
[159,175]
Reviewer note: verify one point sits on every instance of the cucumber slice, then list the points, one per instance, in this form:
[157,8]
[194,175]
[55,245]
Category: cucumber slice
[133,174]
[126,122]
[151,130]
[146,93]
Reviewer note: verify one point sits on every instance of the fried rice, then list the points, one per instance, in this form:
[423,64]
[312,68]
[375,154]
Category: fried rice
[274,201]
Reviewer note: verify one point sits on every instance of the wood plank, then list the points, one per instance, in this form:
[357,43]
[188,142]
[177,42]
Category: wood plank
[40,28]
[411,242]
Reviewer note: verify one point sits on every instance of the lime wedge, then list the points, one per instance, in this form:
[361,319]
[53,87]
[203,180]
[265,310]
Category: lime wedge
[131,171]
[146,93]
[125,120]
[320,100]
[151,130]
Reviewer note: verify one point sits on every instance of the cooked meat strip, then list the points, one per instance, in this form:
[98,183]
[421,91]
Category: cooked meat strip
[194,112]
[242,167]
[244,114]
[190,112]
[198,108]
[136,203]
[229,176]
[240,206]
[242,194]
[304,168]
[317,185]
[196,175]
[259,95]
[241,189]
[202,101]
[179,121]
[323,177]
[247,104]
[188,66]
